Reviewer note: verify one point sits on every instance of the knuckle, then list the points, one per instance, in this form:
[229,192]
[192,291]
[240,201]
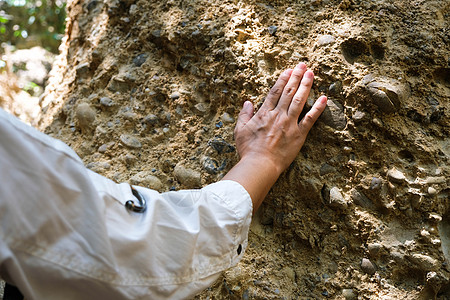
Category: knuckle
[274,91]
[297,99]
[289,90]
[309,119]
[307,81]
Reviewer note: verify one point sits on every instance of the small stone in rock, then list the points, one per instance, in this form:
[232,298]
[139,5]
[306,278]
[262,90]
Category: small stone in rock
[212,166]
[226,118]
[175,95]
[325,40]
[336,199]
[188,177]
[130,141]
[361,199]
[103,148]
[85,116]
[220,145]
[272,29]
[326,169]
[333,115]
[367,266]
[106,101]
[432,191]
[374,249]
[425,262]
[335,88]
[140,59]
[348,294]
[375,183]
[146,179]
[358,116]
[151,119]
[396,176]
[200,107]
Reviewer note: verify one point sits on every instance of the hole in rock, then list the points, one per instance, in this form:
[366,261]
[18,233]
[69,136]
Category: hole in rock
[442,75]
[377,50]
[352,49]
[406,155]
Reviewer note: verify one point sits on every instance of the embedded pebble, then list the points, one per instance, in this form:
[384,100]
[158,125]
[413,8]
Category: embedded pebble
[226,118]
[140,59]
[386,93]
[151,119]
[335,88]
[349,294]
[200,107]
[187,177]
[375,183]
[129,115]
[425,262]
[103,148]
[85,116]
[397,257]
[396,176]
[272,29]
[381,100]
[212,166]
[432,190]
[326,169]
[130,141]
[325,40]
[374,249]
[106,101]
[336,198]
[175,95]
[437,180]
[220,145]
[145,178]
[358,116]
[367,266]
[361,199]
[333,115]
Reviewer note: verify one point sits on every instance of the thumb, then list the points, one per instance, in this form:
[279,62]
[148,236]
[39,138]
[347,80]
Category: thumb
[245,115]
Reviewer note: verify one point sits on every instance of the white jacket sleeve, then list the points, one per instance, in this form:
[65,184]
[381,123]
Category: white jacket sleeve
[65,232]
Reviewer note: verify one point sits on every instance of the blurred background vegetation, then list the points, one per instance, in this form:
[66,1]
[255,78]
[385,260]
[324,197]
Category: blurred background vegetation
[30,34]
[29,23]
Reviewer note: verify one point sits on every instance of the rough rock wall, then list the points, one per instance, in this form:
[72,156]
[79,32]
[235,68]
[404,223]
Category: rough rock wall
[148,92]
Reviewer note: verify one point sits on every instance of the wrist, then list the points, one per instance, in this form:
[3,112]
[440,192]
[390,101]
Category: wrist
[263,163]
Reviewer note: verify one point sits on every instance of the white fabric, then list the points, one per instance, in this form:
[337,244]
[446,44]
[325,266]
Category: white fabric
[66,234]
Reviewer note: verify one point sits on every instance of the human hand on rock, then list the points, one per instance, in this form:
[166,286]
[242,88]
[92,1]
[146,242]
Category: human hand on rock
[269,140]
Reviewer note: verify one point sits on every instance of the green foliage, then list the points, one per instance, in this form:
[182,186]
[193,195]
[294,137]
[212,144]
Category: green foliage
[28,23]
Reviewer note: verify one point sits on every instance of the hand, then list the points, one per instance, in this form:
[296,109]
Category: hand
[273,134]
[269,141]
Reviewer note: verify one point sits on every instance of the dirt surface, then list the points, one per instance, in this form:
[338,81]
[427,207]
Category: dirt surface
[364,210]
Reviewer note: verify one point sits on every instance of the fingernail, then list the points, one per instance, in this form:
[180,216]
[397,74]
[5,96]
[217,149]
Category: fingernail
[323,100]
[247,104]
[309,74]
[301,66]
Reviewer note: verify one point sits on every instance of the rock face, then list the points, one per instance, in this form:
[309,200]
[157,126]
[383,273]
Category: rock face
[149,92]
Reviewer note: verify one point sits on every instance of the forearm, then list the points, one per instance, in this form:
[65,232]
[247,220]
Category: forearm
[256,175]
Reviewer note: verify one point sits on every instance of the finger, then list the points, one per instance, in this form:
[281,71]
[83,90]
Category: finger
[275,92]
[245,115]
[291,87]
[300,97]
[311,117]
